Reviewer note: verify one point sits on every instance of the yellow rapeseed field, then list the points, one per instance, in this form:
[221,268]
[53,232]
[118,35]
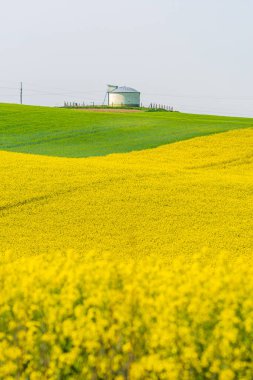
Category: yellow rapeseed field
[105,317]
[106,270]
[173,199]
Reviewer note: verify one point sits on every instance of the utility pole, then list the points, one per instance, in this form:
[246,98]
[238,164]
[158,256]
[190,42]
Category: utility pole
[21,93]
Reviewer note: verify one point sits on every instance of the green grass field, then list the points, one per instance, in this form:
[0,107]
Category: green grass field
[77,133]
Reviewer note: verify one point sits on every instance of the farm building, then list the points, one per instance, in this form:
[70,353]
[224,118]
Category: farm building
[123,96]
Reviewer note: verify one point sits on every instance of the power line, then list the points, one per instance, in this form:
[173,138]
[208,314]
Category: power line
[9,88]
[72,92]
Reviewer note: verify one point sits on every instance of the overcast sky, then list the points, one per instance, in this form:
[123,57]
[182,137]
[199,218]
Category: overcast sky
[195,55]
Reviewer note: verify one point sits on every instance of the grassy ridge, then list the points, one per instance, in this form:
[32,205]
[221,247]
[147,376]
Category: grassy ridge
[75,133]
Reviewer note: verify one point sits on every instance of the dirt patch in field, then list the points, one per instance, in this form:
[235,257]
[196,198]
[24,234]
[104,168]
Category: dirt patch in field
[115,110]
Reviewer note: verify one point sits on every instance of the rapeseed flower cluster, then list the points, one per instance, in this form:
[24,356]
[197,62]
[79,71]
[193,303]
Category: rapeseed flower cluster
[72,316]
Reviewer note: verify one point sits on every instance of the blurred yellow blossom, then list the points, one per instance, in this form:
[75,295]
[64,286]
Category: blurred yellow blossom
[96,316]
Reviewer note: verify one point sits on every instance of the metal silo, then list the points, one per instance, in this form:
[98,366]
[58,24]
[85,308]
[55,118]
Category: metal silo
[123,96]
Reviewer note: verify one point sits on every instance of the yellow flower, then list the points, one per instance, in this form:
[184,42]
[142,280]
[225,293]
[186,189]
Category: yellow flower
[227,374]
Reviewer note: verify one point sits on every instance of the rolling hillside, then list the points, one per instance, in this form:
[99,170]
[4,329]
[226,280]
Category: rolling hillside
[173,199]
[76,133]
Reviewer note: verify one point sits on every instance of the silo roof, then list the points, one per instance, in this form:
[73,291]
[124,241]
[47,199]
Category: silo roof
[123,89]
